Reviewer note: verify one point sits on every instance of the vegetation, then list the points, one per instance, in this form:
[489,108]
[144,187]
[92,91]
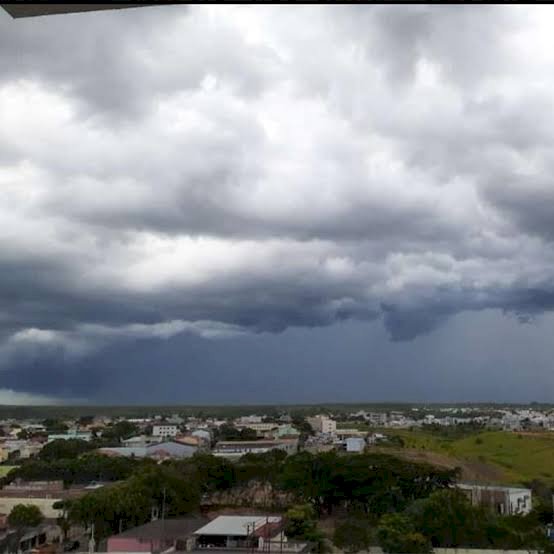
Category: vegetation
[447,519]
[64,449]
[302,525]
[130,503]
[353,534]
[397,533]
[230,433]
[24,515]
[518,457]
[372,483]
[87,468]
[119,431]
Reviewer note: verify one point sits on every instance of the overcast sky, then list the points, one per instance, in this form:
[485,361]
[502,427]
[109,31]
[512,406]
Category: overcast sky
[277,204]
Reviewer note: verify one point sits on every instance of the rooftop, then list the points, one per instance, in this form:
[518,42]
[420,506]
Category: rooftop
[169,528]
[236,525]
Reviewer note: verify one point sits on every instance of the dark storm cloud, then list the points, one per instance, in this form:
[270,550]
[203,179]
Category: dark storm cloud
[216,172]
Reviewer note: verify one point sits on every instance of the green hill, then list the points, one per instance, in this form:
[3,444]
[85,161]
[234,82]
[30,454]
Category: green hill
[515,457]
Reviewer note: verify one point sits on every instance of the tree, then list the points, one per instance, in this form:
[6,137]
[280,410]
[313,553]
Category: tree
[301,524]
[55,426]
[120,431]
[448,520]
[353,535]
[23,516]
[131,502]
[396,533]
[300,520]
[64,449]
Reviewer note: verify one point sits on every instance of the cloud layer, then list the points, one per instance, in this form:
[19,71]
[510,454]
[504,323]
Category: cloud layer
[223,170]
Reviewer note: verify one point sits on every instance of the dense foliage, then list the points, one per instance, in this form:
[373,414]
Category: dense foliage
[373,483]
[64,449]
[87,468]
[130,503]
[447,519]
[353,534]
[230,433]
[408,507]
[24,515]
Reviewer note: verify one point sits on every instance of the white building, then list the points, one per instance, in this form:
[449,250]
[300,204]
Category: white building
[165,430]
[252,532]
[244,420]
[354,444]
[260,428]
[233,450]
[322,424]
[502,500]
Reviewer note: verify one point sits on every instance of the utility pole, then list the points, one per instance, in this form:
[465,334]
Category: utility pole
[91,542]
[162,546]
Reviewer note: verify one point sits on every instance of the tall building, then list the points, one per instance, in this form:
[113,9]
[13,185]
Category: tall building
[322,424]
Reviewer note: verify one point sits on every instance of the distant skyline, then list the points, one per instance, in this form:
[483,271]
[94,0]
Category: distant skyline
[277,204]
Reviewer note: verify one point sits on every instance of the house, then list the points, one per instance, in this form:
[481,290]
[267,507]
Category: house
[240,532]
[43,494]
[39,537]
[203,435]
[286,430]
[354,444]
[501,500]
[322,424]
[344,434]
[30,450]
[261,428]
[236,449]
[140,440]
[164,431]
[159,451]
[374,438]
[158,536]
[71,434]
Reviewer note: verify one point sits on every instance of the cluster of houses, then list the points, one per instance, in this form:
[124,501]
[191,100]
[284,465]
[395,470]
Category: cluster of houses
[178,437]
[245,532]
[513,419]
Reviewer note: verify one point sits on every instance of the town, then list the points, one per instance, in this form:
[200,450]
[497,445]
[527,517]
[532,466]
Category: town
[237,482]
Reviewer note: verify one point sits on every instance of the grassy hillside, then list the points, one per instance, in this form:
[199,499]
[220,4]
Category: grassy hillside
[4,470]
[524,456]
[490,456]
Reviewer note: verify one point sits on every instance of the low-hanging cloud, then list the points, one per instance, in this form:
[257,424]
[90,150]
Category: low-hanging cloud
[223,170]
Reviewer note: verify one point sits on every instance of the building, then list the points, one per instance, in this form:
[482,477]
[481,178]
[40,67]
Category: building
[287,430]
[140,440]
[158,536]
[235,449]
[245,420]
[240,532]
[354,444]
[322,424]
[164,431]
[43,494]
[502,500]
[260,428]
[30,450]
[344,434]
[203,435]
[71,434]
[159,451]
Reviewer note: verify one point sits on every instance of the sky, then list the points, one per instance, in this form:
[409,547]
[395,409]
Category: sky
[257,204]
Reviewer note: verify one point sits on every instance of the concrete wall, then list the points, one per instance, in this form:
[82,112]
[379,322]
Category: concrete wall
[44,504]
